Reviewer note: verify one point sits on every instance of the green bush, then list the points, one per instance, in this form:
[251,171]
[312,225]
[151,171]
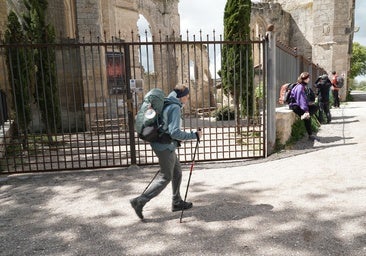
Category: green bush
[298,131]
[224,114]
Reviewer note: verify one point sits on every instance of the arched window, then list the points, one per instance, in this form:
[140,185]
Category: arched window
[145,51]
[70,18]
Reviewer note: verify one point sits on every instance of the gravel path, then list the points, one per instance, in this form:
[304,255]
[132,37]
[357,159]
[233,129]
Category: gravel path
[308,200]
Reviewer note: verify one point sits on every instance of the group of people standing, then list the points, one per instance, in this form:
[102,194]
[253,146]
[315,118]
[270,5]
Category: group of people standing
[304,106]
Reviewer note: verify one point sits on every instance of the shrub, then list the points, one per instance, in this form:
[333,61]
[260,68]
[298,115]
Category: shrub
[224,114]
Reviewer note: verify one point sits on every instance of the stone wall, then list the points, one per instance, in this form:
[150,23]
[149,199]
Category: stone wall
[3,14]
[197,76]
[309,25]
[321,30]
[285,118]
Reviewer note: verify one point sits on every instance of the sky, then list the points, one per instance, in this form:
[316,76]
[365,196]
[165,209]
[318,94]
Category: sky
[207,15]
[204,15]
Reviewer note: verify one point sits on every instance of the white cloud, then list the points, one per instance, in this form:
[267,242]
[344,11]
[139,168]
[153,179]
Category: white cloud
[207,15]
[204,15]
[360,21]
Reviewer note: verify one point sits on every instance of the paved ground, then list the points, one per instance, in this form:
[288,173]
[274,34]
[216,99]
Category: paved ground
[309,200]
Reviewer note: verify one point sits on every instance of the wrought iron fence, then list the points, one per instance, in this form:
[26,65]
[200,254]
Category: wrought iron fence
[289,65]
[88,121]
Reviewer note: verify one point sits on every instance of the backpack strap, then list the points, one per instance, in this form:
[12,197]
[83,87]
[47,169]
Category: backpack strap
[164,136]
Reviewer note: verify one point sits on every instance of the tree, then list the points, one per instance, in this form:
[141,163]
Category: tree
[237,63]
[18,61]
[358,60]
[39,32]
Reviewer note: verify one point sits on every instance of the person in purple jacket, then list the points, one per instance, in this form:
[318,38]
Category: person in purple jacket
[300,104]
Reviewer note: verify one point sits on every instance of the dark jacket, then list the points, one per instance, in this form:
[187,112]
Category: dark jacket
[323,84]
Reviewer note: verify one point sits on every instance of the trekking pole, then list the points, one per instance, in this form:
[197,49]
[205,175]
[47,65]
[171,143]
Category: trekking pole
[148,185]
[190,174]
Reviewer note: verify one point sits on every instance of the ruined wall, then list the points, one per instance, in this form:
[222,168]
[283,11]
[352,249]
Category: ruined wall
[264,14]
[194,71]
[309,25]
[64,21]
[321,30]
[3,14]
[119,18]
[164,20]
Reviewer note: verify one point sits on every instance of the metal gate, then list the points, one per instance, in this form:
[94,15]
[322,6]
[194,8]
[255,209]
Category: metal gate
[84,117]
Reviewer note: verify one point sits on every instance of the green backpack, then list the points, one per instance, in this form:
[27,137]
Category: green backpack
[149,117]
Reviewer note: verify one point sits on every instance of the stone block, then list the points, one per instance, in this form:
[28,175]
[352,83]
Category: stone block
[285,118]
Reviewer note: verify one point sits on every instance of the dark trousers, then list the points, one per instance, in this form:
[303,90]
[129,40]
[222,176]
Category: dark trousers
[324,110]
[170,170]
[335,98]
[312,110]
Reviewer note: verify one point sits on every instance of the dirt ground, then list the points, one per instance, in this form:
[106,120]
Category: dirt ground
[308,200]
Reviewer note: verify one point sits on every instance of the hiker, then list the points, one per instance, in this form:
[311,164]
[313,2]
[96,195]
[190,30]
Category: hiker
[170,168]
[300,103]
[335,90]
[323,84]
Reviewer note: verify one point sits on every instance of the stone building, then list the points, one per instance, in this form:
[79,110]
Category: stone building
[321,30]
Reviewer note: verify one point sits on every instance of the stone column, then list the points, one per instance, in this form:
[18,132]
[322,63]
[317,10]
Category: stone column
[271,93]
[333,33]
[89,28]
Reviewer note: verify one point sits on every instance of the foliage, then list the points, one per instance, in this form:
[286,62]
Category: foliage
[18,62]
[45,60]
[358,60]
[224,114]
[237,63]
[258,98]
[358,85]
[349,96]
[259,91]
[298,131]
[315,125]
[362,86]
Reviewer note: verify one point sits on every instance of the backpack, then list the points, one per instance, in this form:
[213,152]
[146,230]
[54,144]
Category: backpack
[340,81]
[285,93]
[310,95]
[149,117]
[321,81]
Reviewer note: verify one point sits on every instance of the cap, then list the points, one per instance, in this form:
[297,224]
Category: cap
[182,93]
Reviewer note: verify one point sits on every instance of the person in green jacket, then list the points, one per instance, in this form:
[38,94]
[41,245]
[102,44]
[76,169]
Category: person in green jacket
[170,167]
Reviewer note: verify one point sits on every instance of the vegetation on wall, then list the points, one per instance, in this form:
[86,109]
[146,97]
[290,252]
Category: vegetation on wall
[18,61]
[298,132]
[358,60]
[45,60]
[32,66]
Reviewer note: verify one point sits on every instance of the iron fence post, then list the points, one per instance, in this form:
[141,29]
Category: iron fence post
[131,118]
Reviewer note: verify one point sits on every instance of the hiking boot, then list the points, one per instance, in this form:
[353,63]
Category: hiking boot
[313,137]
[137,205]
[181,205]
